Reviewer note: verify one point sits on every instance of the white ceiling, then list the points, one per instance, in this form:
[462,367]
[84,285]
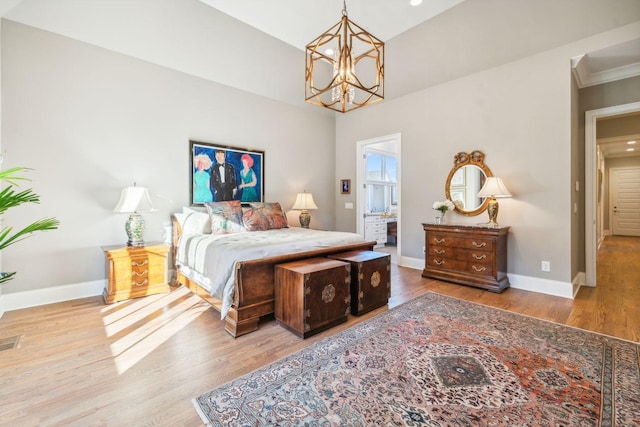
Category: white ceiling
[298,22]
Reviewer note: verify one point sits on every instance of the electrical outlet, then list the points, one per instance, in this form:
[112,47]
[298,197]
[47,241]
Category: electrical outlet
[545,266]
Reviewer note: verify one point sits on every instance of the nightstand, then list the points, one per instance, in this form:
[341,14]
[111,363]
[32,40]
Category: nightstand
[135,271]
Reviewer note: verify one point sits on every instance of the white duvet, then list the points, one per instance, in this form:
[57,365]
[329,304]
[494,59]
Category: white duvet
[211,260]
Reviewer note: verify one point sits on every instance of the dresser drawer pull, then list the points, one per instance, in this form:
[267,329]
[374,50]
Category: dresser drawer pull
[478,269]
[140,264]
[439,252]
[144,282]
[479,245]
[483,256]
[438,262]
[435,239]
[144,273]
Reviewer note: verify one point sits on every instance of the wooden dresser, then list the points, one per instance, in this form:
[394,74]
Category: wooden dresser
[465,254]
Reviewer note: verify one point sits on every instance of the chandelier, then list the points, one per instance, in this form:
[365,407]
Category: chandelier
[344,67]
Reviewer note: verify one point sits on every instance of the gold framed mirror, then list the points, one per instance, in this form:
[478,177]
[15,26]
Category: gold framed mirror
[465,181]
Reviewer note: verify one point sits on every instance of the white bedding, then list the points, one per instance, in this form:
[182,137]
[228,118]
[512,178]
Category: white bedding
[210,259]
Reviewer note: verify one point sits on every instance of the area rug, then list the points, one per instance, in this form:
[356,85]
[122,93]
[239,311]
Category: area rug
[440,361]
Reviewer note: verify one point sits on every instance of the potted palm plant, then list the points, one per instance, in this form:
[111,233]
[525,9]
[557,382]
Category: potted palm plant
[10,197]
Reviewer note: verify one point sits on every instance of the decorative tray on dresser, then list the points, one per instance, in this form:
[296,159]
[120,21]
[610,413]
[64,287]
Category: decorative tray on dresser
[467,254]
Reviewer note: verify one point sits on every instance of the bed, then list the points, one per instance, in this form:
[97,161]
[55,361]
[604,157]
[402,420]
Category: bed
[234,272]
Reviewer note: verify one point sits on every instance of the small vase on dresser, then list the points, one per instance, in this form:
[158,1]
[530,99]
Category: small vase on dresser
[467,254]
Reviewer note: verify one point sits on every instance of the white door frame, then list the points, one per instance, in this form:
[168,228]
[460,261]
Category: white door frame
[361,178]
[590,177]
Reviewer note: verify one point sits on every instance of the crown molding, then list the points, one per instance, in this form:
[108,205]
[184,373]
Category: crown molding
[585,78]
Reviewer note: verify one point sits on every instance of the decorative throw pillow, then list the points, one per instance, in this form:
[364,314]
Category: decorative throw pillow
[273,212]
[254,220]
[226,217]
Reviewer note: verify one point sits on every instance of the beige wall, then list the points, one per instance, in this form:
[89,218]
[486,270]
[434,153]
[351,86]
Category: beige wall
[619,126]
[90,122]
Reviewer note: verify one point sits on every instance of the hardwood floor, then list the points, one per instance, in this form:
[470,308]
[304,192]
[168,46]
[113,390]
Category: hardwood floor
[140,362]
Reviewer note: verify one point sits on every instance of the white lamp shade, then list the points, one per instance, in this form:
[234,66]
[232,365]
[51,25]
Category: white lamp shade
[304,201]
[494,187]
[134,199]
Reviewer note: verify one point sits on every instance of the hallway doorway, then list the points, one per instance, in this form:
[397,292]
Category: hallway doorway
[594,185]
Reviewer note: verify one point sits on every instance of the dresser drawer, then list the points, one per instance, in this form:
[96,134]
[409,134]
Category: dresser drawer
[465,242]
[452,252]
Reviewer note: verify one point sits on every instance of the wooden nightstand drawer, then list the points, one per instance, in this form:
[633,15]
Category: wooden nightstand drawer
[136,271]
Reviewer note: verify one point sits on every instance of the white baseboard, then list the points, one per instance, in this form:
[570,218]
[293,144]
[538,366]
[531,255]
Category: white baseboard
[543,286]
[579,281]
[37,297]
[416,263]
[1,303]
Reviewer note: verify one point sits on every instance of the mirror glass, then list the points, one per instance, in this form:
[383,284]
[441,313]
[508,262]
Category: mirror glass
[465,181]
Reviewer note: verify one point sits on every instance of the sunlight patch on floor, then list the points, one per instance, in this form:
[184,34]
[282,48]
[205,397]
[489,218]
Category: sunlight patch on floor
[139,310]
[147,326]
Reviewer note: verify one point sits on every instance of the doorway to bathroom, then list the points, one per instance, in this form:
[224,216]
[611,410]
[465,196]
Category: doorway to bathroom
[378,193]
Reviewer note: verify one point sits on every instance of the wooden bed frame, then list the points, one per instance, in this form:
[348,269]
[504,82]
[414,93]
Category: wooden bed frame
[254,284]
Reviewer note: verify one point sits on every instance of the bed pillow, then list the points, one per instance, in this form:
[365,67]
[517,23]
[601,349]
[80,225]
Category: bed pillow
[254,220]
[272,213]
[193,221]
[226,217]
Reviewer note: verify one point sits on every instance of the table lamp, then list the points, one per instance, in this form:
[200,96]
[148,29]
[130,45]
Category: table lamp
[304,202]
[132,201]
[493,188]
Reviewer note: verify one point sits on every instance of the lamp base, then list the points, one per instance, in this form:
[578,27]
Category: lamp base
[135,229]
[305,219]
[492,210]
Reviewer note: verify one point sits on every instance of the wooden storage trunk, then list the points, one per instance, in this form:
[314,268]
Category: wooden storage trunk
[370,279]
[312,295]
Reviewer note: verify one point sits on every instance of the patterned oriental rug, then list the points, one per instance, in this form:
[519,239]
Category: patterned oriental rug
[440,361]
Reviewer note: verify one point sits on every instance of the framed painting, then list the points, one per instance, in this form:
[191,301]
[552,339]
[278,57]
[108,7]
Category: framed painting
[222,173]
[345,186]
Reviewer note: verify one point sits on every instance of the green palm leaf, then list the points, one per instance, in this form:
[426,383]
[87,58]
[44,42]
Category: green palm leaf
[9,198]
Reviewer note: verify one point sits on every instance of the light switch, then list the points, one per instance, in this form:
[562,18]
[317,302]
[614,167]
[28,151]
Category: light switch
[348,205]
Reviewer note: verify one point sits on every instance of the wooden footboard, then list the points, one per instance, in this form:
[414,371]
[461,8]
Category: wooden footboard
[254,284]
